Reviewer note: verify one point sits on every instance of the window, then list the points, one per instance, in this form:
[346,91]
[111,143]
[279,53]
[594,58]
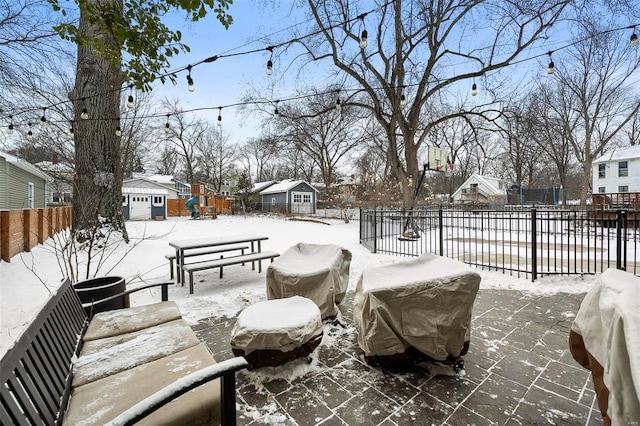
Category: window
[273,201]
[297,198]
[225,183]
[623,169]
[306,198]
[474,188]
[601,171]
[31,195]
[225,193]
[623,188]
[158,200]
[124,200]
[602,189]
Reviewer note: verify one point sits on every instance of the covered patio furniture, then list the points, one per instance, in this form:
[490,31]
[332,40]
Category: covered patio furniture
[274,332]
[414,311]
[605,339]
[319,272]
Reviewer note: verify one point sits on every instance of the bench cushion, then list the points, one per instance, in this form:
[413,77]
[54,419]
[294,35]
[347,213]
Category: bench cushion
[104,357]
[102,400]
[121,321]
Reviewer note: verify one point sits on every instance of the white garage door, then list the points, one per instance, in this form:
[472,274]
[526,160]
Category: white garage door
[301,203]
[139,207]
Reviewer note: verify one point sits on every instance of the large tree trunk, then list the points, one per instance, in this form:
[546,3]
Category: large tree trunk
[98,173]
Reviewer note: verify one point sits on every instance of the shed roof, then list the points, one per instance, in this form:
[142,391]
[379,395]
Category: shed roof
[284,187]
[145,191]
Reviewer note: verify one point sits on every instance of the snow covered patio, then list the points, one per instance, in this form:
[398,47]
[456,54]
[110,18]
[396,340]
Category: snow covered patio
[518,372]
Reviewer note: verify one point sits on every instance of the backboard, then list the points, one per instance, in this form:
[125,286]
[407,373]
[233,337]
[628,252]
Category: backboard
[437,157]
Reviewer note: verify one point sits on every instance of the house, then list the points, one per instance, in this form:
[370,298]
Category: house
[616,178]
[22,185]
[297,197]
[253,198]
[143,199]
[60,189]
[184,189]
[481,189]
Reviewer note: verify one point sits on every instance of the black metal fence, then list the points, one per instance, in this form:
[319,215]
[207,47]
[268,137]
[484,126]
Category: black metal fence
[527,242]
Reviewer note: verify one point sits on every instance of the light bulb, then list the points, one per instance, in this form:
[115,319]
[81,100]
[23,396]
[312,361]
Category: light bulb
[338,104]
[84,114]
[276,112]
[219,119]
[551,69]
[403,100]
[190,83]
[29,133]
[634,40]
[167,129]
[364,39]
[474,89]
[10,129]
[130,102]
[71,130]
[43,121]
[118,131]
[269,67]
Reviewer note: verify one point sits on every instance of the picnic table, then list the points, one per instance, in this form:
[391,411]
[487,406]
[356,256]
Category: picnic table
[218,244]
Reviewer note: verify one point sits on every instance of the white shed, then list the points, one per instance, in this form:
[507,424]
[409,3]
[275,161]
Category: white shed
[481,189]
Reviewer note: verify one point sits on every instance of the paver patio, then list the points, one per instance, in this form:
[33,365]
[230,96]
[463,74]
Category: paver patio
[518,371]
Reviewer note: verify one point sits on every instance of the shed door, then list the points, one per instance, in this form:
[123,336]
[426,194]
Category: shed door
[139,207]
[301,203]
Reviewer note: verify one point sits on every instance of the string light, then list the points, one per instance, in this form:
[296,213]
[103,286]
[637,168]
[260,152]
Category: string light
[10,128]
[118,131]
[29,133]
[167,128]
[84,114]
[364,37]
[552,66]
[130,103]
[270,62]
[190,80]
[338,103]
[43,119]
[474,89]
[219,116]
[634,40]
[403,99]
[275,111]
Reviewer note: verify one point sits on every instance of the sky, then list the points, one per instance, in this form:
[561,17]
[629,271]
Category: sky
[26,281]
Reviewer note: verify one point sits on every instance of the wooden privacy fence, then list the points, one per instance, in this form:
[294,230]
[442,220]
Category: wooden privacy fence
[177,207]
[21,230]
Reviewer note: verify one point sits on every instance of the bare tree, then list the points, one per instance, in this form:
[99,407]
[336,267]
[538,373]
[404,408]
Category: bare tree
[326,137]
[259,155]
[215,156]
[409,58]
[596,91]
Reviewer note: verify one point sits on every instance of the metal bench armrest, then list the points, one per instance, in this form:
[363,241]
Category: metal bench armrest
[226,370]
[165,294]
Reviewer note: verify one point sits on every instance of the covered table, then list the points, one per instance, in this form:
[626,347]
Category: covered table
[274,332]
[605,338]
[319,272]
[416,310]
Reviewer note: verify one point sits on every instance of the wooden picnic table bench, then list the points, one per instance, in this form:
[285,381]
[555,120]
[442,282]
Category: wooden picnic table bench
[171,257]
[120,367]
[228,261]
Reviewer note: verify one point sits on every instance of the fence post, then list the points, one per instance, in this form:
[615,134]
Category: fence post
[534,246]
[441,230]
[375,230]
[621,261]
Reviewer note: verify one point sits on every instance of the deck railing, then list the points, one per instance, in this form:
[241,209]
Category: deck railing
[529,243]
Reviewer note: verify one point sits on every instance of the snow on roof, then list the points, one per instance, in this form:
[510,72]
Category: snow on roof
[27,167]
[489,183]
[145,191]
[621,153]
[51,167]
[163,179]
[284,186]
[259,186]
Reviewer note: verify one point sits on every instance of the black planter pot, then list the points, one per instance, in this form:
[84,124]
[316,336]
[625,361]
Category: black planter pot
[96,289]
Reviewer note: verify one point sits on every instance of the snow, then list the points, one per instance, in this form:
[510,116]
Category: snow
[26,281]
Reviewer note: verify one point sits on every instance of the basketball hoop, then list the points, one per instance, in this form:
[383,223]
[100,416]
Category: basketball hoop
[446,168]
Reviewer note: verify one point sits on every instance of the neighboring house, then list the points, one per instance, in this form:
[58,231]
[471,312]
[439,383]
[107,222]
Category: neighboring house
[616,179]
[296,197]
[60,190]
[184,189]
[143,199]
[22,185]
[481,189]
[254,198]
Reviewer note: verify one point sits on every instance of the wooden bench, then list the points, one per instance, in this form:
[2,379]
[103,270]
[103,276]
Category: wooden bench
[172,257]
[227,261]
[38,371]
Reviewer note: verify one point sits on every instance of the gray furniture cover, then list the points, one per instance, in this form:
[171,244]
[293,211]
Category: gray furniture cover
[415,310]
[319,272]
